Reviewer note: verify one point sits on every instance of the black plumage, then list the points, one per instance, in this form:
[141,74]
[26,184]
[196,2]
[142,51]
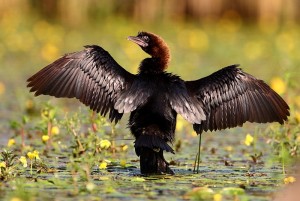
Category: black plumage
[225,99]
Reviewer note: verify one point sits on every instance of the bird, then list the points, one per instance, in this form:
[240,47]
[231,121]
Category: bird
[154,97]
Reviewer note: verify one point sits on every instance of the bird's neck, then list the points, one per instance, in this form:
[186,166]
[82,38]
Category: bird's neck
[152,66]
[158,63]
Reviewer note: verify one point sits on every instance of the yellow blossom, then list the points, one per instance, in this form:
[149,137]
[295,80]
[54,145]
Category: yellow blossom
[15,199]
[179,125]
[297,116]
[2,164]
[23,160]
[298,139]
[194,134]
[228,148]
[103,165]
[90,186]
[54,130]
[45,113]
[11,142]
[248,140]
[278,85]
[105,144]
[123,163]
[30,155]
[29,104]
[217,197]
[2,88]
[297,101]
[45,138]
[289,180]
[124,148]
[36,153]
[33,155]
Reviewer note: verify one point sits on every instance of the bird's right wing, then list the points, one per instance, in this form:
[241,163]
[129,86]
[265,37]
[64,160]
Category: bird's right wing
[90,75]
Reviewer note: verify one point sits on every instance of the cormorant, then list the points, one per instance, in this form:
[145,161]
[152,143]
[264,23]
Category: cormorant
[153,97]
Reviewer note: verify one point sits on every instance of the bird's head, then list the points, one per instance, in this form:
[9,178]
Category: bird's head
[153,45]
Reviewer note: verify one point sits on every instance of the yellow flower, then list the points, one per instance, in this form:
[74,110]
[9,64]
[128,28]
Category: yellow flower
[15,199]
[2,88]
[45,113]
[298,139]
[248,140]
[30,155]
[297,116]
[54,130]
[194,134]
[33,155]
[36,153]
[90,186]
[289,180]
[124,148]
[228,148]
[217,197]
[105,144]
[123,163]
[29,104]
[2,164]
[23,160]
[45,138]
[103,165]
[11,142]
[297,101]
[278,85]
[179,125]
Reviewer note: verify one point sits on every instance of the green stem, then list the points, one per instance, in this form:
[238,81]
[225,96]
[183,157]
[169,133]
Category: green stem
[31,167]
[283,157]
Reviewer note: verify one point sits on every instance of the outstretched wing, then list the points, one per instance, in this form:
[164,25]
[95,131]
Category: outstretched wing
[90,75]
[230,97]
[184,104]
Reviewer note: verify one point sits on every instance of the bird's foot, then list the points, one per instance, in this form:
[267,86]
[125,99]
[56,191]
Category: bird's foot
[153,162]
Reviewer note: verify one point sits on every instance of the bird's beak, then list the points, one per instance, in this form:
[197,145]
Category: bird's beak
[138,41]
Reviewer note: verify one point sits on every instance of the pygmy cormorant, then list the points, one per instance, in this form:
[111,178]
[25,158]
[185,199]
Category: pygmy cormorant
[153,97]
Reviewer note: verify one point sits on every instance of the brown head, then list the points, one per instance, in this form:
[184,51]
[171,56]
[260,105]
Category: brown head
[154,46]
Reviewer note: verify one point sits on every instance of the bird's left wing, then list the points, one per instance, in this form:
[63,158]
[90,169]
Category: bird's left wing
[90,75]
[230,97]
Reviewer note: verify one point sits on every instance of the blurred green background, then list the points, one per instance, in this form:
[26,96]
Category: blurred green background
[261,35]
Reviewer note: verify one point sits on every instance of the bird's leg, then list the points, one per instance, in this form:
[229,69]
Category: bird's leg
[152,161]
[198,156]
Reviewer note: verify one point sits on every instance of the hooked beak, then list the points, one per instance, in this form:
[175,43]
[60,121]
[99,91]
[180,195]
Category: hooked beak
[138,41]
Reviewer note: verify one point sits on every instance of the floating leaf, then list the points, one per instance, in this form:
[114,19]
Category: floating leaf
[232,191]
[138,179]
[201,193]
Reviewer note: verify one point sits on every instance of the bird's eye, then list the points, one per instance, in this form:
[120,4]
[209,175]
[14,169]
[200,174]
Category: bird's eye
[146,38]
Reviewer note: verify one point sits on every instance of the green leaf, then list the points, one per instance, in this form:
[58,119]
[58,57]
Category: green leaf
[232,191]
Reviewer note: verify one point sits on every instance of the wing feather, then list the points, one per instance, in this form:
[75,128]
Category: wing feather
[230,97]
[90,75]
